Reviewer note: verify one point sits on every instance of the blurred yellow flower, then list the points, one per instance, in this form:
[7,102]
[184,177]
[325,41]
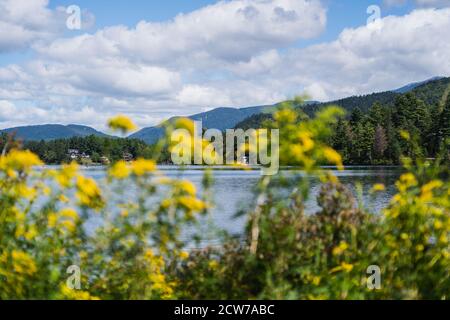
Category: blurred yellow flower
[52,219]
[23,262]
[69,213]
[141,167]
[188,187]
[122,123]
[184,255]
[185,123]
[340,248]
[88,192]
[378,187]
[19,160]
[333,157]
[119,170]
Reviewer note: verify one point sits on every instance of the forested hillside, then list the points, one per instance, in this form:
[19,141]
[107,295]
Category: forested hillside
[370,132]
[57,151]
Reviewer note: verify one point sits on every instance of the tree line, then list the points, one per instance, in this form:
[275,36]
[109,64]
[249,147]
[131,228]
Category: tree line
[57,151]
[375,137]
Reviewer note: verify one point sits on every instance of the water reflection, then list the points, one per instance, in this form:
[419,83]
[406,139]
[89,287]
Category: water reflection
[233,189]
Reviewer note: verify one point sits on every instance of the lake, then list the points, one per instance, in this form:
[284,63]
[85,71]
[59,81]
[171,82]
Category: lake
[233,189]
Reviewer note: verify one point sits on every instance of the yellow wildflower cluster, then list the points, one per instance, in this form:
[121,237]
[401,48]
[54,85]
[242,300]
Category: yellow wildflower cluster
[66,219]
[302,141]
[156,276]
[142,167]
[119,170]
[18,161]
[88,193]
[73,294]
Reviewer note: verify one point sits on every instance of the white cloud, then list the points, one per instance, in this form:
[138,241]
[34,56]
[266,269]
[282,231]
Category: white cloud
[420,3]
[195,95]
[364,60]
[228,30]
[233,53]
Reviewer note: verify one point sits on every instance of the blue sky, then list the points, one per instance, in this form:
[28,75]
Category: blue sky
[143,59]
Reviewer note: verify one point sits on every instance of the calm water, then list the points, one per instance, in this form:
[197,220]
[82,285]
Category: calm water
[233,189]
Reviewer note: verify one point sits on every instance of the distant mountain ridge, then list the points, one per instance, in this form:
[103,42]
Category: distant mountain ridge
[430,91]
[52,132]
[227,118]
[219,118]
[412,86]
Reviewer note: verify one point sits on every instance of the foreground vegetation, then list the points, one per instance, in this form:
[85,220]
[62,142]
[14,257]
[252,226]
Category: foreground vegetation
[134,250]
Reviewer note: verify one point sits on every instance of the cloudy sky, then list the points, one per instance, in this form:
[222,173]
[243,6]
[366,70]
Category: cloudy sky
[156,59]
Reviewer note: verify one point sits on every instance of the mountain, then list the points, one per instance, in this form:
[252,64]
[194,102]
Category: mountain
[430,91]
[412,86]
[220,118]
[52,131]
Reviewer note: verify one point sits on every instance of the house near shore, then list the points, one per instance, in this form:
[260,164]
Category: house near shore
[128,157]
[73,154]
[105,160]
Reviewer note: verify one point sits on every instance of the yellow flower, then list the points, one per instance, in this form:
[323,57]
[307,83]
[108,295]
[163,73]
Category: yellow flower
[72,294]
[19,160]
[340,249]
[63,198]
[69,225]
[316,280]
[192,203]
[69,213]
[405,135]
[121,123]
[333,156]
[438,224]
[88,193]
[184,255]
[427,190]
[26,192]
[408,179]
[213,264]
[23,263]
[347,267]
[307,142]
[52,219]
[185,123]
[66,174]
[83,255]
[120,170]
[149,254]
[378,187]
[166,203]
[187,187]
[285,115]
[31,233]
[142,166]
